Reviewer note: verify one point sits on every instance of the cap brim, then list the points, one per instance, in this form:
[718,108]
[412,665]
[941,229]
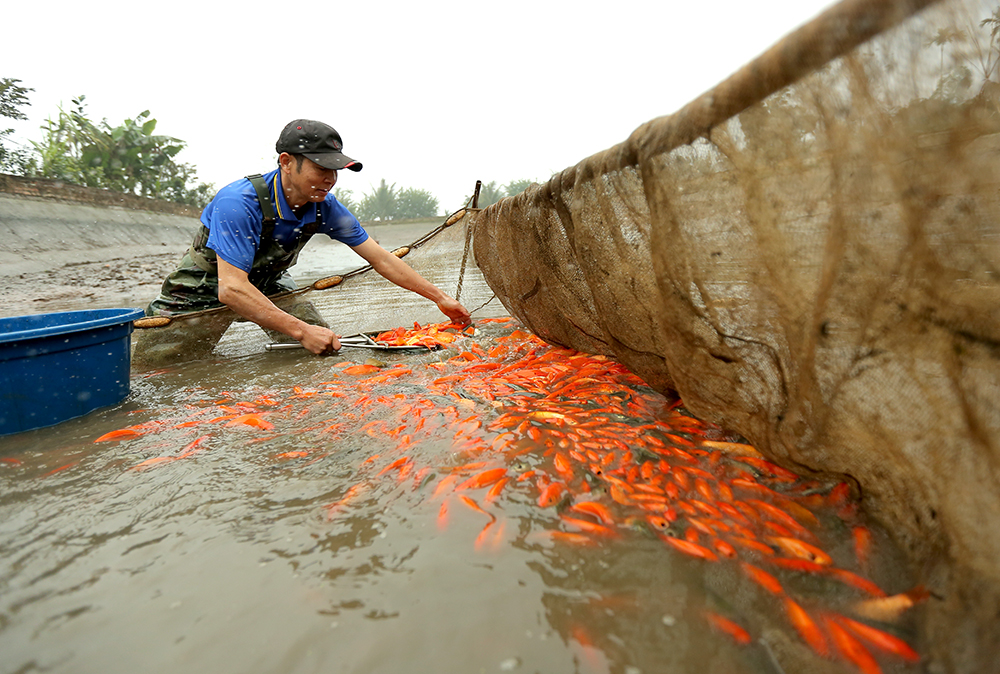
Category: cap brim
[334,160]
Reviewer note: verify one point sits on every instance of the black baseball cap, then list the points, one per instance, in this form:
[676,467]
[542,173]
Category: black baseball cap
[319,142]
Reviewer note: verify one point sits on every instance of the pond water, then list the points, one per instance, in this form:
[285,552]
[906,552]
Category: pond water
[277,512]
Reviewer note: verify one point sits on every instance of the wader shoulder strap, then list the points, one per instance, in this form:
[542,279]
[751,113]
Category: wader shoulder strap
[268,210]
[266,206]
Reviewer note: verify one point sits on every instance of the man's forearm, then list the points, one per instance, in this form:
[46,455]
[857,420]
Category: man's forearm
[250,303]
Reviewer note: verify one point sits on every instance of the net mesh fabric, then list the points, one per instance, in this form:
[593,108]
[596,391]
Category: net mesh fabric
[809,255]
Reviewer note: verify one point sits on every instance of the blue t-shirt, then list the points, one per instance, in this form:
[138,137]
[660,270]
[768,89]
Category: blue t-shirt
[234,219]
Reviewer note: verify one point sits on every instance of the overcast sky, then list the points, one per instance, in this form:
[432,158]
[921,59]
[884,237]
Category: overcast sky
[430,95]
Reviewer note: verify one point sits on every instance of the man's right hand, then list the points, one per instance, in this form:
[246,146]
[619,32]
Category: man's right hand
[319,340]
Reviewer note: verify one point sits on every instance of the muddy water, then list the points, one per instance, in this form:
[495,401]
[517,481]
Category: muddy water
[254,522]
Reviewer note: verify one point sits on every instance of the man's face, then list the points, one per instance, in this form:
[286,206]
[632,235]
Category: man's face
[306,182]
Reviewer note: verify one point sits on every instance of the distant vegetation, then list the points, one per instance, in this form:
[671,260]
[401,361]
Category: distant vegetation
[387,202]
[126,158]
[490,193]
[130,158]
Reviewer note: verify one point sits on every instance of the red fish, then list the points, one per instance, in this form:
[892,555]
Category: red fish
[728,627]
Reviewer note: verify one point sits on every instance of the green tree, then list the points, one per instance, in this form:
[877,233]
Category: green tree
[58,154]
[12,98]
[346,199]
[489,194]
[379,205]
[126,158]
[516,187]
[414,203]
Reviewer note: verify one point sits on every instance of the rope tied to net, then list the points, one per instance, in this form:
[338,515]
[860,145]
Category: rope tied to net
[474,204]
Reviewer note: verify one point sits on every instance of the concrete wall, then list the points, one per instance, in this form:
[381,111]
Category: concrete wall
[46,224]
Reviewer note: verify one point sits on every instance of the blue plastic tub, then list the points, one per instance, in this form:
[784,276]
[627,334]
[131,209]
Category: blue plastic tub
[58,366]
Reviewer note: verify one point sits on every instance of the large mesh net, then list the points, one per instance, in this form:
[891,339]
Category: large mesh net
[809,254]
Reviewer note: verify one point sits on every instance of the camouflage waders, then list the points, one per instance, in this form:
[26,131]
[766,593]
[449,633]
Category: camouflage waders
[194,286]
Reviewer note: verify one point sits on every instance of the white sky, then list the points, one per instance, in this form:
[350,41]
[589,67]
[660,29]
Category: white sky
[431,95]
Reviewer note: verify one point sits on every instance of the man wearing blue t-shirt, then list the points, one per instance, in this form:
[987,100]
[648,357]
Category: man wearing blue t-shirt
[252,232]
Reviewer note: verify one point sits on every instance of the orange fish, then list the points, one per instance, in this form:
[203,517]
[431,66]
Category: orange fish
[862,537]
[551,494]
[563,465]
[475,506]
[856,581]
[595,509]
[728,627]
[152,462]
[498,535]
[840,494]
[120,434]
[392,466]
[800,549]
[689,548]
[442,518]
[883,641]
[360,369]
[589,527]
[251,419]
[780,516]
[762,578]
[850,649]
[444,484]
[495,490]
[350,494]
[806,627]
[291,455]
[889,609]
[483,479]
[724,548]
[482,537]
[800,565]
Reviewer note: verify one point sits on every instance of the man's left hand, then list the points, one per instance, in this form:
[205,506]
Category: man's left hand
[455,311]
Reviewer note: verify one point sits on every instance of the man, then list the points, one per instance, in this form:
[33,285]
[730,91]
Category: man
[252,232]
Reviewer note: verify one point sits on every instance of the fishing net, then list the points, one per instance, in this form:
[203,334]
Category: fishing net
[808,254]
